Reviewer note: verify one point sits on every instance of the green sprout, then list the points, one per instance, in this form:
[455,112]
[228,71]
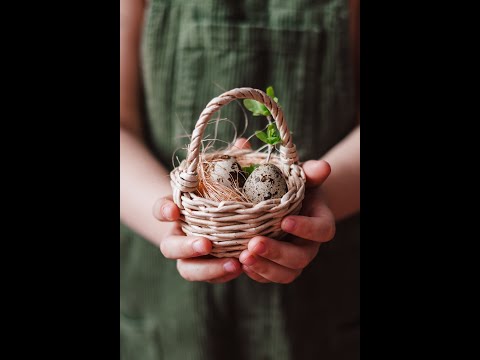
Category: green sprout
[271,137]
[249,169]
[258,109]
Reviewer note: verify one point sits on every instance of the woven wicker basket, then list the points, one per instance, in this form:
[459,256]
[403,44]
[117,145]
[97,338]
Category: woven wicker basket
[230,224]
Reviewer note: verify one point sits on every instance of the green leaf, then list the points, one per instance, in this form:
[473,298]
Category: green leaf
[249,169]
[251,105]
[270,92]
[274,140]
[256,108]
[272,130]
[265,111]
[272,136]
[262,136]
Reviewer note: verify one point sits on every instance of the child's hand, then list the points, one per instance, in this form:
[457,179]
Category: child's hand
[269,260]
[188,249]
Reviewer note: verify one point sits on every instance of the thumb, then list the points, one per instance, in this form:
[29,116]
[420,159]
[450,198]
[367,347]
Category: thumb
[316,172]
[166,210]
[242,143]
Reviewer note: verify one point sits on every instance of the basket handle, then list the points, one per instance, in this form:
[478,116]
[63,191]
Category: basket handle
[288,152]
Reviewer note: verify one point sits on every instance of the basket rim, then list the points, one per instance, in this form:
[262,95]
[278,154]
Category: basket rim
[274,159]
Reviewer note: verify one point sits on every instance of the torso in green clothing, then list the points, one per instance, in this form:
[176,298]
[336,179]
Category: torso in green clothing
[191,52]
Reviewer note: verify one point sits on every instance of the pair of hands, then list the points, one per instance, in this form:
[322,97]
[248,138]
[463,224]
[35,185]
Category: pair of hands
[265,259]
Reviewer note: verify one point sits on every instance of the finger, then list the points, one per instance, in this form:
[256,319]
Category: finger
[268,269]
[207,269]
[254,276]
[182,247]
[225,278]
[166,210]
[316,172]
[284,253]
[242,143]
[321,228]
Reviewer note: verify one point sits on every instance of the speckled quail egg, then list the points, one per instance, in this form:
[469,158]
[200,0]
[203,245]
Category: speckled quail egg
[227,171]
[264,183]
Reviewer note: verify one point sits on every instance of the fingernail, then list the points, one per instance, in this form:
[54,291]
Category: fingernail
[198,247]
[249,261]
[288,225]
[229,266]
[167,212]
[260,248]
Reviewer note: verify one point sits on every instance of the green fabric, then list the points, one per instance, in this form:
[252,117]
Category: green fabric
[191,52]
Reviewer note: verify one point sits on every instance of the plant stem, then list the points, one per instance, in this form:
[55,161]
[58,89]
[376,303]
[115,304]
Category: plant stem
[270,147]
